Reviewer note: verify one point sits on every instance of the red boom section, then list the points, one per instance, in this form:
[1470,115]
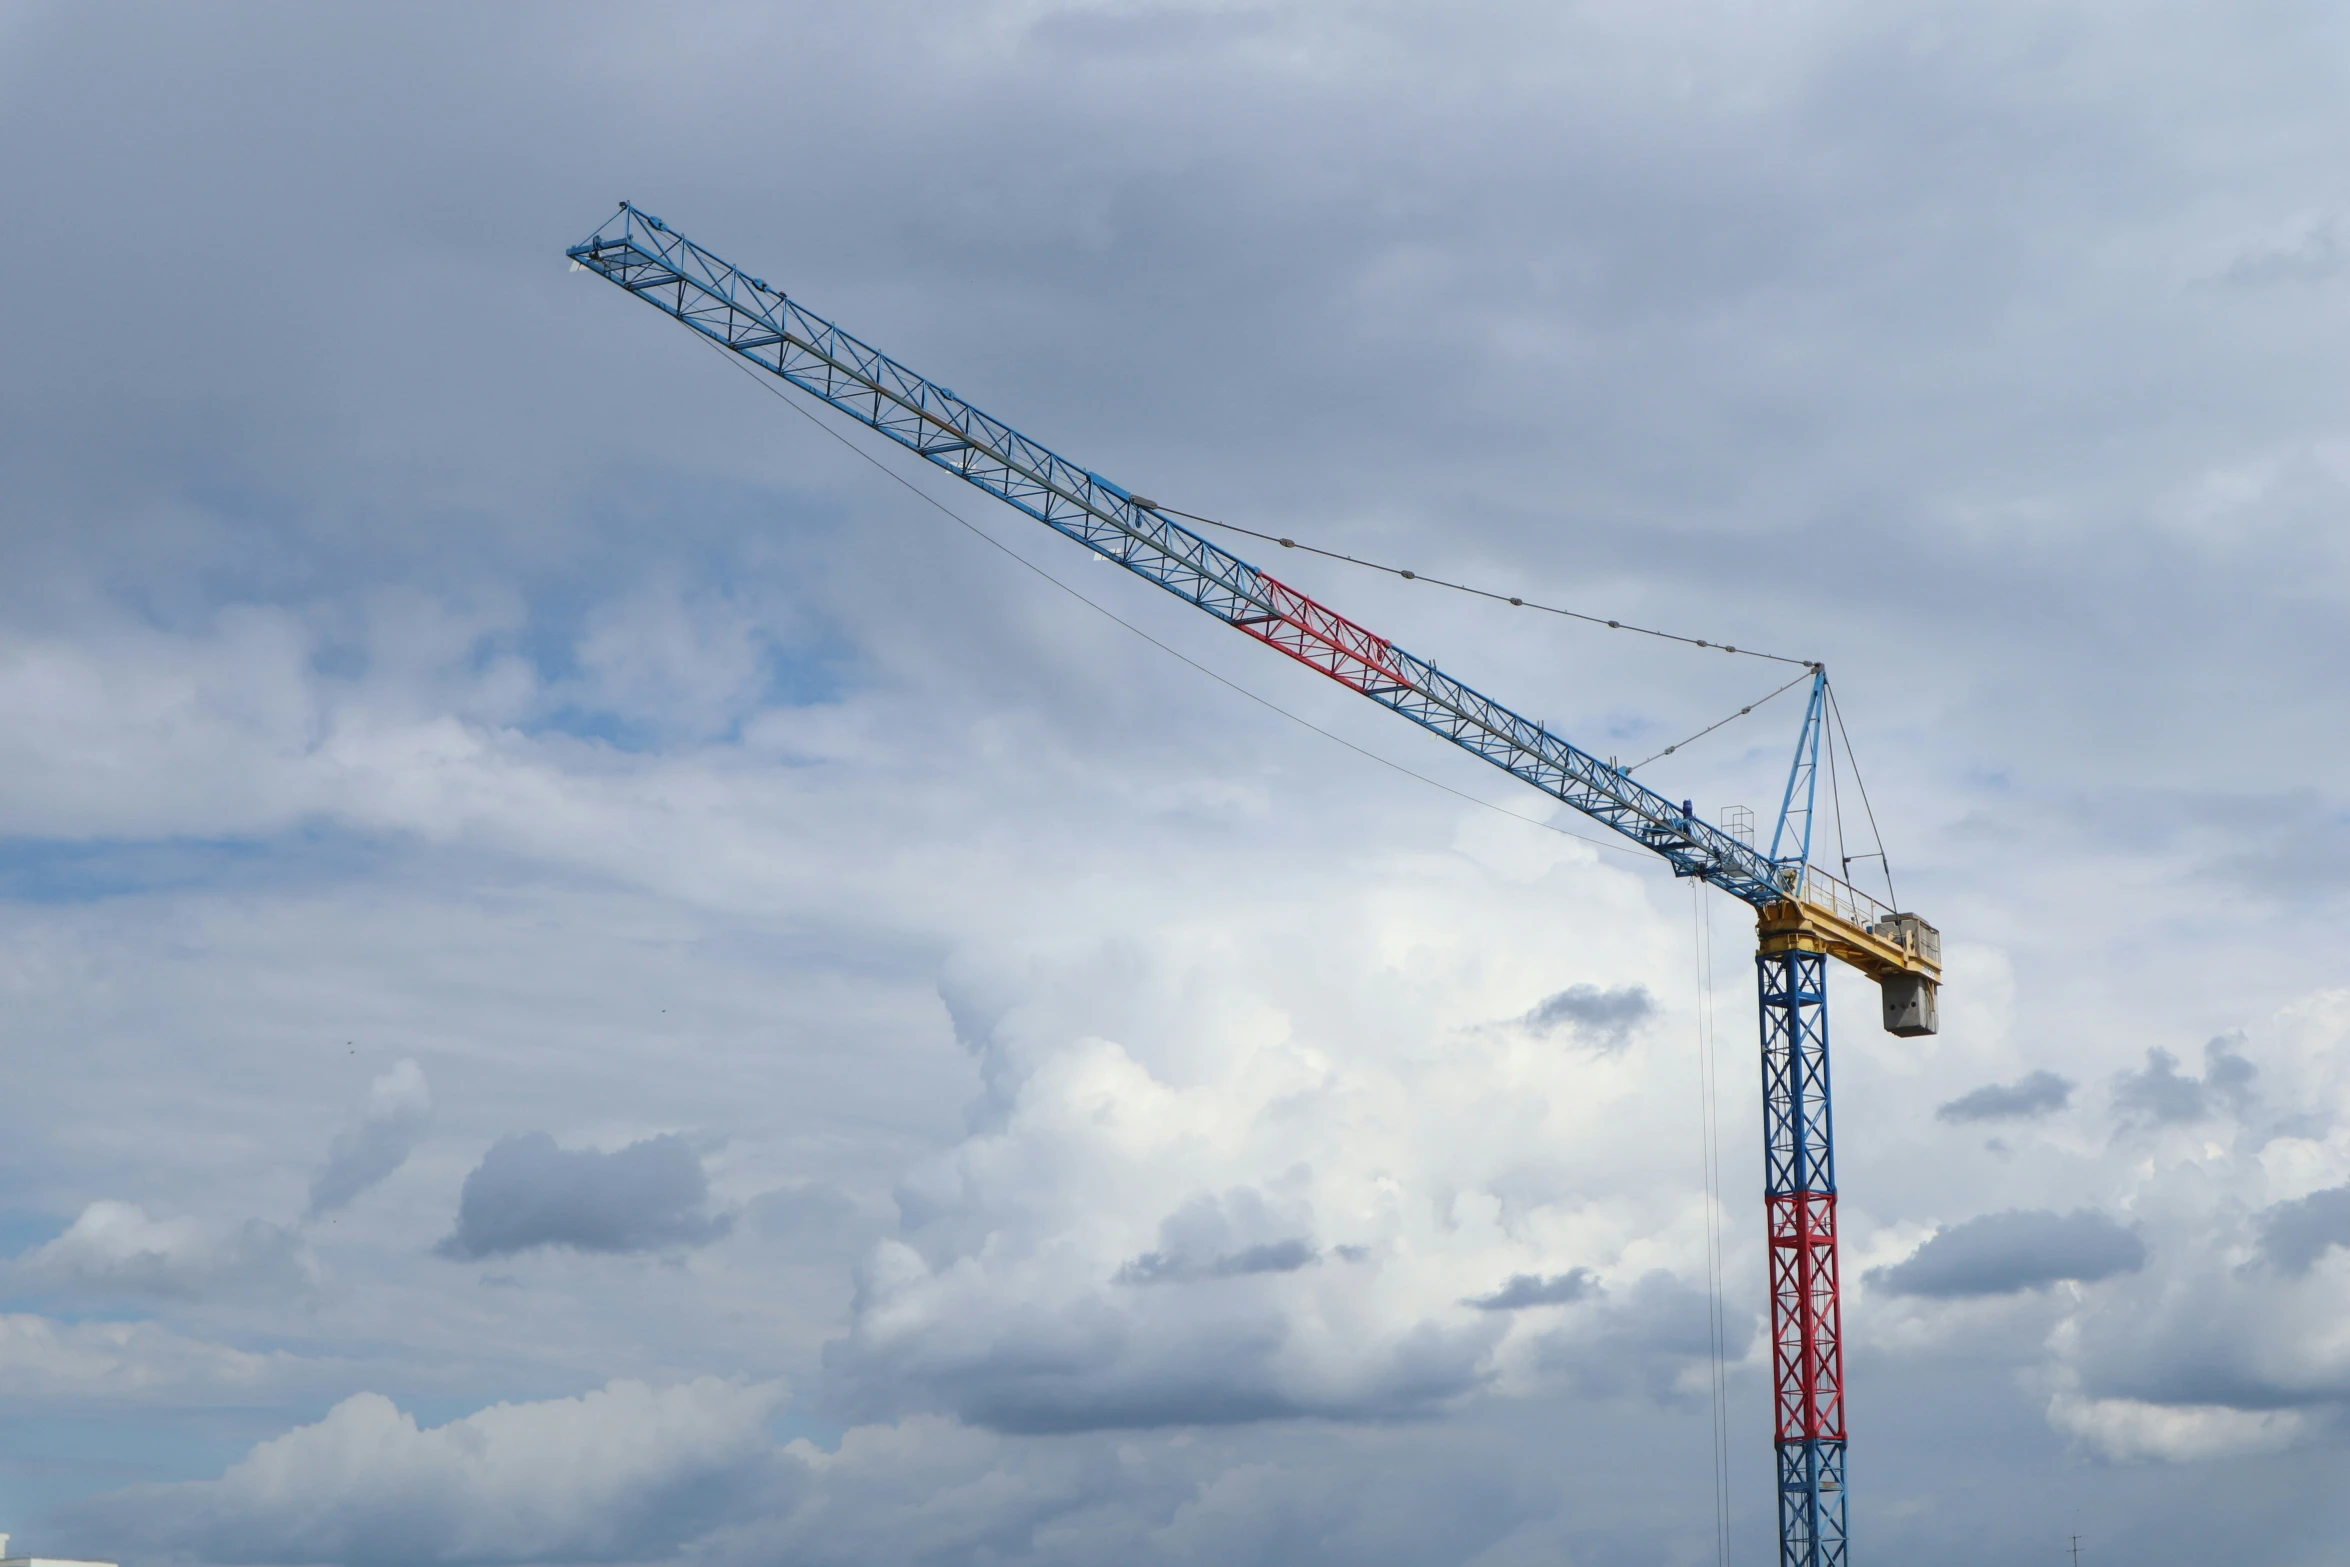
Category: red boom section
[1807,1346]
[1323,639]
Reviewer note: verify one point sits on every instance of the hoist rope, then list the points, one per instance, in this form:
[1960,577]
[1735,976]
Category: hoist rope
[1710,1150]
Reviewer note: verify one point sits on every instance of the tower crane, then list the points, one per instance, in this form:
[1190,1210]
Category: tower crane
[1804,916]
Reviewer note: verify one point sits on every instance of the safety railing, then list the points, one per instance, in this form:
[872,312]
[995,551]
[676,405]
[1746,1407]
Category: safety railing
[1815,888]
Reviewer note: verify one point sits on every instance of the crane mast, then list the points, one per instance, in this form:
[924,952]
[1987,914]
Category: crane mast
[1803,915]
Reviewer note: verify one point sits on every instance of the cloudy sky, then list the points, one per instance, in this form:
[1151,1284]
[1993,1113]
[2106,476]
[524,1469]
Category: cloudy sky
[587,978]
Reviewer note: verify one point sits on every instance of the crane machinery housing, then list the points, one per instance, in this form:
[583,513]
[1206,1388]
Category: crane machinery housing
[1804,916]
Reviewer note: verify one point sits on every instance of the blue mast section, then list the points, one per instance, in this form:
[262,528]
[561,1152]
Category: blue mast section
[1807,1315]
[765,328]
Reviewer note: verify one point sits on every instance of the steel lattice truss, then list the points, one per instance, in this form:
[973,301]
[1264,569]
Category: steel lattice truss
[741,313]
[1799,1194]
[1804,914]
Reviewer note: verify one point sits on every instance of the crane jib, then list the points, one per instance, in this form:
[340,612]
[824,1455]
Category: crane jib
[773,332]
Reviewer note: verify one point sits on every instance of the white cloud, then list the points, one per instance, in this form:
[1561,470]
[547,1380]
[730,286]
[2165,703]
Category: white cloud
[51,1361]
[622,1473]
[690,1473]
[2127,1430]
[1233,1216]
[2183,1339]
[114,1248]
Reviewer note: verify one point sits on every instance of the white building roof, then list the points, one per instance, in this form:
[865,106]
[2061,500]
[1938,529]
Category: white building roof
[7,1560]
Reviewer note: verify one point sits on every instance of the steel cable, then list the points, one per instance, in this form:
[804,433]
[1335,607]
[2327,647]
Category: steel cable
[1809,671]
[1512,599]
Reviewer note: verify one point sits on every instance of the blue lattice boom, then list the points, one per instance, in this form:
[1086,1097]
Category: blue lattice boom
[784,338]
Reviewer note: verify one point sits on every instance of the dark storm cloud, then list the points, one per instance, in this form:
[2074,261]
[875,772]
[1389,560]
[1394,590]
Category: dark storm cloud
[1159,1267]
[2162,1095]
[2293,1235]
[2004,1253]
[2035,1094]
[1642,1341]
[1604,1018]
[1092,1369]
[527,1193]
[2204,1333]
[1223,1237]
[1533,1289]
